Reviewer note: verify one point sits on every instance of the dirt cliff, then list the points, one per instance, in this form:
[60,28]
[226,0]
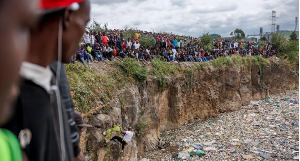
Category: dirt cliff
[149,108]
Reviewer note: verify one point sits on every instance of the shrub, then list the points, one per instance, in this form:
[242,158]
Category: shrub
[278,42]
[291,51]
[129,34]
[133,68]
[142,128]
[112,131]
[147,42]
[222,61]
[162,69]
[89,87]
[206,42]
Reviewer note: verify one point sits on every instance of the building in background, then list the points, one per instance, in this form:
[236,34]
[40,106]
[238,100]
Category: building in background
[251,39]
[285,33]
[215,36]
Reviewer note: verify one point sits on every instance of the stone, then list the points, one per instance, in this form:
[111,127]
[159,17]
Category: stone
[232,150]
[144,159]
[248,157]
[255,143]
[209,149]
[265,156]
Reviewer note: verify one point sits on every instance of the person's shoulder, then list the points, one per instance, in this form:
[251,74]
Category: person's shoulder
[129,132]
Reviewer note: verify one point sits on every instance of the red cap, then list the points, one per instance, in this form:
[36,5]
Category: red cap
[54,4]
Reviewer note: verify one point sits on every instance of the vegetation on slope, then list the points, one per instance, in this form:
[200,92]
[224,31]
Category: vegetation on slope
[89,88]
[92,90]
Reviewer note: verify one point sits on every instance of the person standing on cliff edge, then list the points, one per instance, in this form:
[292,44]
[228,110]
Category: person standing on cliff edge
[126,139]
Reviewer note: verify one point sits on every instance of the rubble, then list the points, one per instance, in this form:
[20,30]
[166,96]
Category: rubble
[266,129]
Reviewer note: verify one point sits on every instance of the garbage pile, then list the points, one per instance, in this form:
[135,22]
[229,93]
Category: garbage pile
[266,129]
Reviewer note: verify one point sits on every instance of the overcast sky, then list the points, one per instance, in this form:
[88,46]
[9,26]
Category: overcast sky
[193,17]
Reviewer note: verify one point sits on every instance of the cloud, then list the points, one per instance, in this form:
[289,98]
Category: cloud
[108,2]
[214,9]
[179,3]
[193,17]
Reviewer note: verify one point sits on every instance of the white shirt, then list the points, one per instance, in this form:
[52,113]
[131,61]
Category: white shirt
[86,38]
[128,136]
[129,44]
[136,46]
[38,74]
[174,51]
[93,39]
[236,45]
[148,51]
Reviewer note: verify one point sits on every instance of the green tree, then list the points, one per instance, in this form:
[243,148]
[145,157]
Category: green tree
[129,34]
[262,44]
[206,42]
[147,41]
[278,42]
[238,34]
[263,39]
[291,51]
[293,36]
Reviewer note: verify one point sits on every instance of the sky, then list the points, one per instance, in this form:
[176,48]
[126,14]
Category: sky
[195,17]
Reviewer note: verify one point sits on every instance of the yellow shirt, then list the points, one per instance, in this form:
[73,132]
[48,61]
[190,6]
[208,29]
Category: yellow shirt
[89,49]
[137,35]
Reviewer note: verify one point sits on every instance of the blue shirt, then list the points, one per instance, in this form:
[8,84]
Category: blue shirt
[82,52]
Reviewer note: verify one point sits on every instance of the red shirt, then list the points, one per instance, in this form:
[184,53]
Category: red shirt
[202,54]
[104,39]
[115,52]
[124,46]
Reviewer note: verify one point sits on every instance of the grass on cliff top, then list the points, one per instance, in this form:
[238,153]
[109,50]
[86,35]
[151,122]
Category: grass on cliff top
[89,88]
[132,68]
[239,61]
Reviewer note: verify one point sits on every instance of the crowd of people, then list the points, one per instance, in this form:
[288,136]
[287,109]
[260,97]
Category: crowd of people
[97,46]
[36,109]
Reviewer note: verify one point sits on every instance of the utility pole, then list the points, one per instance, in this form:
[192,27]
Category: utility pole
[260,32]
[93,23]
[273,21]
[296,23]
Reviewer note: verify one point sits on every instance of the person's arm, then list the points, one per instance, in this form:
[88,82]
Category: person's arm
[123,132]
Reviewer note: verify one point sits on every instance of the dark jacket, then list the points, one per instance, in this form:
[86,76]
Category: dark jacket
[38,111]
[68,104]
[98,39]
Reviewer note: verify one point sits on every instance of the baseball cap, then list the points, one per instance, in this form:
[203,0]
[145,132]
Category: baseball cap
[48,6]
[79,121]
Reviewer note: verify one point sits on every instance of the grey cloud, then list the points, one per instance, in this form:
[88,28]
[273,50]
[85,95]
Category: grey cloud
[181,16]
[136,23]
[217,9]
[178,3]
[107,2]
[112,2]
[292,3]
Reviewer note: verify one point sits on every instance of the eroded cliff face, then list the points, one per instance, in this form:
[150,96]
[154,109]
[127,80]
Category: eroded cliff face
[201,94]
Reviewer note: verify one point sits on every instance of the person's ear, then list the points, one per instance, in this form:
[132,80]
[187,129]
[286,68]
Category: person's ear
[67,19]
